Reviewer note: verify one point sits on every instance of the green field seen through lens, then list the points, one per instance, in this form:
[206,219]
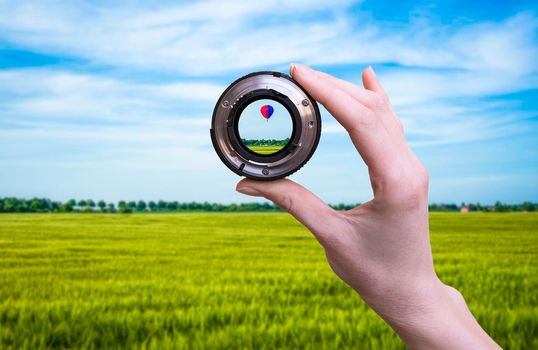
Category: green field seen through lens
[265,147]
[236,281]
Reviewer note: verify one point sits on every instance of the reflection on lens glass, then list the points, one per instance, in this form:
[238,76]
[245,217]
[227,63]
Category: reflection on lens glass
[265,127]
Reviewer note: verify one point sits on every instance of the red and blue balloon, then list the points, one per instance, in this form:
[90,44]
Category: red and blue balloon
[267,111]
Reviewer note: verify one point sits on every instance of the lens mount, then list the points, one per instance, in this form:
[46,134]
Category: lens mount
[305,118]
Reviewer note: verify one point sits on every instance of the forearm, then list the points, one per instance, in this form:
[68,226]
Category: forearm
[444,322]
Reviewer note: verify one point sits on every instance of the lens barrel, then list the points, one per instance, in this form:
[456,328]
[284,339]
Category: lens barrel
[305,118]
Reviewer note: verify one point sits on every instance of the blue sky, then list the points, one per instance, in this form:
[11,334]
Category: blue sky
[107,101]
[253,126]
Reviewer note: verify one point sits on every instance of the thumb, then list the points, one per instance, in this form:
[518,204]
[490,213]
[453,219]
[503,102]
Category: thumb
[305,206]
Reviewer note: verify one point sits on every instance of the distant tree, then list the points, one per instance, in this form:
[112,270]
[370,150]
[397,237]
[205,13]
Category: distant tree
[217,207]
[172,206]
[54,206]
[162,205]
[90,204]
[82,203]
[111,208]
[500,207]
[72,203]
[123,207]
[36,205]
[12,205]
[443,207]
[206,206]
[131,205]
[68,206]
[528,206]
[141,206]
[152,206]
[266,142]
[102,205]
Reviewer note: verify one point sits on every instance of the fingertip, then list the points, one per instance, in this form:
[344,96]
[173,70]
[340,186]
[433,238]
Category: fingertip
[298,70]
[292,69]
[371,82]
[268,189]
[368,71]
[241,184]
[312,82]
[367,75]
[248,187]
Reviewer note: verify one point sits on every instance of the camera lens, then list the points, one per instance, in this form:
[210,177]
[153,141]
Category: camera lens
[265,126]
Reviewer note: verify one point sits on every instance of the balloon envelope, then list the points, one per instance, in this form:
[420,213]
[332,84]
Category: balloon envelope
[267,111]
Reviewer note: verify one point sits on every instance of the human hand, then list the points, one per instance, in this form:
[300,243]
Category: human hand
[381,248]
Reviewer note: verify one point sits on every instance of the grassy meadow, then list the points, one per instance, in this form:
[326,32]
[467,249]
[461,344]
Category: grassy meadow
[236,281]
[265,149]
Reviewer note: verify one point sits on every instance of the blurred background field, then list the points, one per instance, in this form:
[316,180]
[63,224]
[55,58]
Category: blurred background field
[236,281]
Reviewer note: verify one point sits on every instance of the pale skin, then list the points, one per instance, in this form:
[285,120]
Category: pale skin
[380,248]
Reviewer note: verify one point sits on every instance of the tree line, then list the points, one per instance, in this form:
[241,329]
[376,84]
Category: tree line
[497,207]
[37,205]
[45,205]
[264,142]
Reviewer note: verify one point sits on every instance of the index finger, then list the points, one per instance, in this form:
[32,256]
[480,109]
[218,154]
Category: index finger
[367,132]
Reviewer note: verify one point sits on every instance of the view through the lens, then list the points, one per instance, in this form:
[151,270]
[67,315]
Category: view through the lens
[265,127]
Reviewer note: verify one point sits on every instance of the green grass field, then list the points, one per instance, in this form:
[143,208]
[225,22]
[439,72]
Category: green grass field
[265,149]
[236,281]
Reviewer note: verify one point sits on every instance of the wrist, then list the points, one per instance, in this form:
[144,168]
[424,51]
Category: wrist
[438,317]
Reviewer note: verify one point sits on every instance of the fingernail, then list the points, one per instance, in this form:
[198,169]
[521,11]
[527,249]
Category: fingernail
[372,70]
[249,191]
[292,68]
[297,68]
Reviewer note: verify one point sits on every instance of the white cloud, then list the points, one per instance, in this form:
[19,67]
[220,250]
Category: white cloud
[507,46]
[48,93]
[209,36]
[213,36]
[84,119]
[414,86]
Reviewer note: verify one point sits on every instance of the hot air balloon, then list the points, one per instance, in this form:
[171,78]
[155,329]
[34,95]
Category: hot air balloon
[267,111]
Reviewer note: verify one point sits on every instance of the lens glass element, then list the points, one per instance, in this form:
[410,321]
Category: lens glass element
[265,127]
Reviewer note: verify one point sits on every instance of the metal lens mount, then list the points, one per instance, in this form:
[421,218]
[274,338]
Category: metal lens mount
[304,114]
